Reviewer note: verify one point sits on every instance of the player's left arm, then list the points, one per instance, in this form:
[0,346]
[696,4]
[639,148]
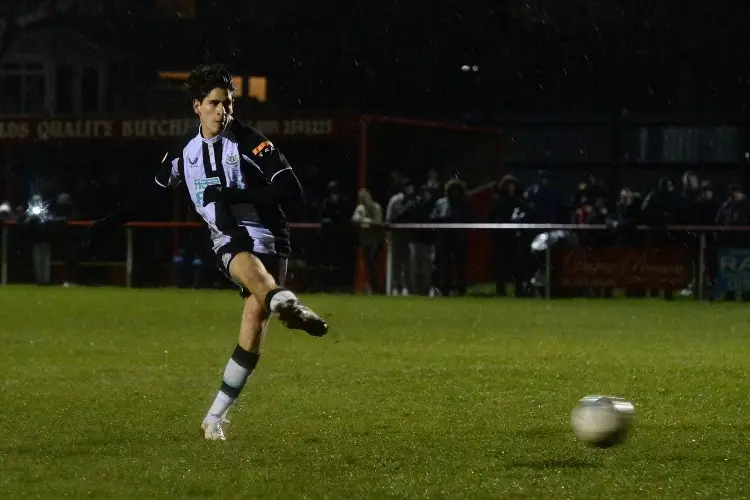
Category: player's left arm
[283,185]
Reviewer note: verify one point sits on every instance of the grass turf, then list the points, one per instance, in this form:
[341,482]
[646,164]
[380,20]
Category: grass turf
[103,392]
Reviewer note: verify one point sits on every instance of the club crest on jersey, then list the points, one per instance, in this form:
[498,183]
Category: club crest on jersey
[263,148]
[232,160]
[201,185]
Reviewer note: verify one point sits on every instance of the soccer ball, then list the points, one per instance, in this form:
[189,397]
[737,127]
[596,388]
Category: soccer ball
[602,421]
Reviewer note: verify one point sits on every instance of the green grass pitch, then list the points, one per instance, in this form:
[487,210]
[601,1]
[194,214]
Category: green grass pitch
[103,391]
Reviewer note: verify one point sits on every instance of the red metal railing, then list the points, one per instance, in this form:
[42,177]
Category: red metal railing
[701,231]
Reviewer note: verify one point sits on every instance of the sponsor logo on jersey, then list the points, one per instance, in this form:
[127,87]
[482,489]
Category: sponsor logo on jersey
[263,148]
[232,160]
[201,185]
[193,161]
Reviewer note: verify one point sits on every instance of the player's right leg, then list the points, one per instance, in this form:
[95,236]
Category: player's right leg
[248,270]
[240,367]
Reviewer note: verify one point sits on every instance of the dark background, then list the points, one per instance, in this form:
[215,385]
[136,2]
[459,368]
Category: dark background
[405,57]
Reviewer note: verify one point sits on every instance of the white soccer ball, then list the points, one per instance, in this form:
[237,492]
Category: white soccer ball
[602,421]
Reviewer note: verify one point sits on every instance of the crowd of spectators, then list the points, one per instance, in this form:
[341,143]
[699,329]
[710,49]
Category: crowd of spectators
[435,263]
[687,201]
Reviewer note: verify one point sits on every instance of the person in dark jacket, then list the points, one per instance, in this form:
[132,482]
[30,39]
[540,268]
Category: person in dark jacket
[337,240]
[508,254]
[735,211]
[422,241]
[452,245]
[662,208]
[707,209]
[547,201]
[624,220]
[67,240]
[689,198]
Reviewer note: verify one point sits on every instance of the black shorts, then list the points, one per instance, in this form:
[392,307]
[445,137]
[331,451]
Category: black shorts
[274,264]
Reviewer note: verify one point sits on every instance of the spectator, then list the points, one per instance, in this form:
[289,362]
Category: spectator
[368,217]
[707,210]
[433,183]
[335,239]
[626,216]
[422,242]
[36,221]
[593,189]
[585,211]
[395,184]
[399,240]
[689,198]
[688,215]
[624,220]
[707,204]
[547,201]
[68,239]
[735,211]
[508,254]
[662,208]
[452,245]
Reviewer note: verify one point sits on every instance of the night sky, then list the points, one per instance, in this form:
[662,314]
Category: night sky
[403,56]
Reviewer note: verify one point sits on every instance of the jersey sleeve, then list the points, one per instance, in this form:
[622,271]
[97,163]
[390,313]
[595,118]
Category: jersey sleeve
[264,154]
[170,170]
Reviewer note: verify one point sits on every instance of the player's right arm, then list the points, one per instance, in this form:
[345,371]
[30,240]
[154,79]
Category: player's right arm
[144,201]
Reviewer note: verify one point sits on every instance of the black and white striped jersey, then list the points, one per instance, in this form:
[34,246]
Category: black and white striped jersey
[239,158]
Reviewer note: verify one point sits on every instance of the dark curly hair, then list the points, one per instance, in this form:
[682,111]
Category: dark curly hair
[206,77]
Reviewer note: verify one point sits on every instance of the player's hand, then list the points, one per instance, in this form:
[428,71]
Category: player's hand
[213,194]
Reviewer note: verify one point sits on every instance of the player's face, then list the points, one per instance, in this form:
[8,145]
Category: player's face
[214,111]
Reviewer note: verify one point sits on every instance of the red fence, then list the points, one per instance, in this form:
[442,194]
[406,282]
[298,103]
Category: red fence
[574,266]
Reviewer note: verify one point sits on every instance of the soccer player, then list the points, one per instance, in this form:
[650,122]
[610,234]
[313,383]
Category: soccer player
[236,179]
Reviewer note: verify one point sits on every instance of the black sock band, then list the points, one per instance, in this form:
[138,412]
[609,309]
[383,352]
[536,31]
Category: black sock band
[246,359]
[232,392]
[244,365]
[270,295]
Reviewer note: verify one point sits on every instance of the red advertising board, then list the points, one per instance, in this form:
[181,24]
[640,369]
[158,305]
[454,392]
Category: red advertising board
[36,129]
[646,268]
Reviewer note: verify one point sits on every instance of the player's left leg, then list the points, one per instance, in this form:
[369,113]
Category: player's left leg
[241,365]
[250,271]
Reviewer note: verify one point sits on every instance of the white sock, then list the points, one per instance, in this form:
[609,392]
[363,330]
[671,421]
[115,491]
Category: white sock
[221,405]
[281,297]
[240,366]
